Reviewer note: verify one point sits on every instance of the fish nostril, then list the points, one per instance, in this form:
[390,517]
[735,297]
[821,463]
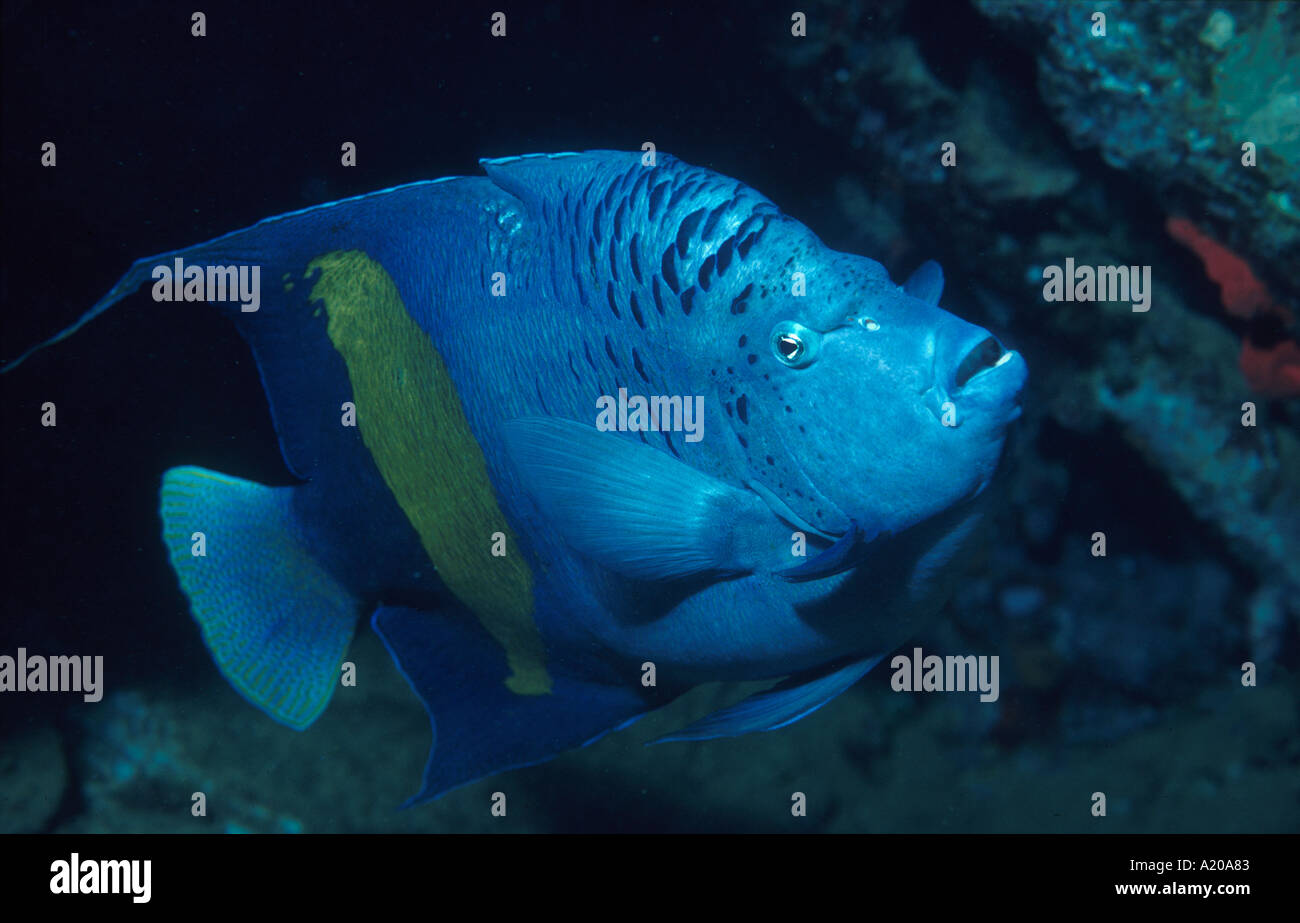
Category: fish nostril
[983,356]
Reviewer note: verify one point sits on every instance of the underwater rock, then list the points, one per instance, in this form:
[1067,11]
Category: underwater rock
[33,776]
[1245,480]
[868,79]
[136,760]
[1172,92]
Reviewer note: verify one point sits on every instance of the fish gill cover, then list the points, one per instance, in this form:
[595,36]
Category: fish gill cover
[503,389]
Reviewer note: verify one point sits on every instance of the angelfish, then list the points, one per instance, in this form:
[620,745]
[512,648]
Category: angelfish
[434,356]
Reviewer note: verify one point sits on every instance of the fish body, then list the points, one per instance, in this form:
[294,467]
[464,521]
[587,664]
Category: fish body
[460,371]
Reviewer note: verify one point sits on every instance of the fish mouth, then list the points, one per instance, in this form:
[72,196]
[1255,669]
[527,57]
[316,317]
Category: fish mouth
[984,375]
[985,356]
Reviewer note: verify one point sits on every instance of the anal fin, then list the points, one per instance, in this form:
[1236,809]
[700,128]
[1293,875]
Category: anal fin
[479,726]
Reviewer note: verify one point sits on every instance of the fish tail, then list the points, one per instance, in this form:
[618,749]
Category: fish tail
[276,622]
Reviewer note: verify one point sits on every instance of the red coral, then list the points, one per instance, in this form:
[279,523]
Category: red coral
[1273,371]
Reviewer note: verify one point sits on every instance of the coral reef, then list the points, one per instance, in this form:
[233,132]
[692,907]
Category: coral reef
[1170,93]
[1273,370]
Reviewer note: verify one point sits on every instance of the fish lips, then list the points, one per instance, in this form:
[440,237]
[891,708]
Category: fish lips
[985,382]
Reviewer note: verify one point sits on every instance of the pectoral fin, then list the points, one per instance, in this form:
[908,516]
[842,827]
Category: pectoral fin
[836,559]
[636,510]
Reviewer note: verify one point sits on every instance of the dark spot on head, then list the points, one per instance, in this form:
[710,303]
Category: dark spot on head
[743,340]
[634,254]
[686,229]
[708,269]
[742,408]
[657,196]
[688,300]
[770,460]
[751,358]
[714,217]
[618,219]
[724,255]
[738,303]
[609,295]
[680,193]
[743,441]
[668,268]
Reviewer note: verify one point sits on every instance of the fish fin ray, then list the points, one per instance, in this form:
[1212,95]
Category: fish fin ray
[782,705]
[479,726]
[926,282]
[607,496]
[275,621]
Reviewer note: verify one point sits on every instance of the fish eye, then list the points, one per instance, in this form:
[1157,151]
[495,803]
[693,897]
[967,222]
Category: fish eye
[789,346]
[794,344]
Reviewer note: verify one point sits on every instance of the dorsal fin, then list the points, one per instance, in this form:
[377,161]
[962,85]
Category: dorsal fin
[534,177]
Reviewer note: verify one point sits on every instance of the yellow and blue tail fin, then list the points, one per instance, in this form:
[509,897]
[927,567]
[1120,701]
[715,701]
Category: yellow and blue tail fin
[276,622]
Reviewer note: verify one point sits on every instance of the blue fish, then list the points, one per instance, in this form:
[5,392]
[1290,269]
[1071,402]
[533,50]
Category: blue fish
[577,436]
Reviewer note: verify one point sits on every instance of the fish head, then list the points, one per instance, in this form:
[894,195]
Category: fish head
[864,409]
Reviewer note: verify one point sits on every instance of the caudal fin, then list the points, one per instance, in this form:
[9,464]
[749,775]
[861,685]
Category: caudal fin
[277,623]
